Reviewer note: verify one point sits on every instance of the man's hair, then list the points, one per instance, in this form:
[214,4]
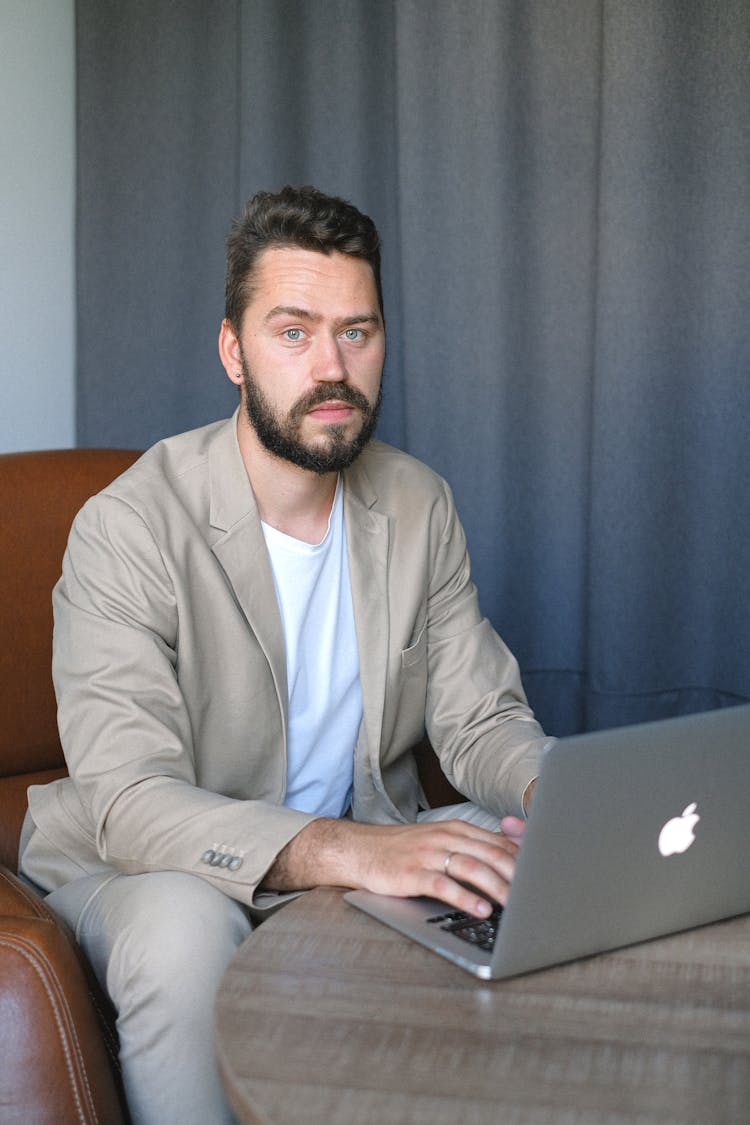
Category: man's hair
[295,216]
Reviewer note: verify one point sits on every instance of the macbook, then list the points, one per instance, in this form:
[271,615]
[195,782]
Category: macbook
[633,833]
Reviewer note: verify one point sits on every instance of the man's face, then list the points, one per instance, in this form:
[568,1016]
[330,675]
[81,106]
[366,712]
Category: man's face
[310,354]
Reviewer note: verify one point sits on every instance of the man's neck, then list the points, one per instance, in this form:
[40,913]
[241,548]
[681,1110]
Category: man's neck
[295,501]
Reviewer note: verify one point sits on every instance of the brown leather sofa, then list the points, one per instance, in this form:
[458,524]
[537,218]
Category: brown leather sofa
[58,1048]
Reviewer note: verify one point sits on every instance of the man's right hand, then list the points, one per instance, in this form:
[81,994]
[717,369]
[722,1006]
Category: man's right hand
[436,858]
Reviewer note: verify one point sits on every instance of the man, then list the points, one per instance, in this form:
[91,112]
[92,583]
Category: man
[253,628]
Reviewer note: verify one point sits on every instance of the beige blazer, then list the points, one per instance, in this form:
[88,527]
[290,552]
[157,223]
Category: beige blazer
[169,668]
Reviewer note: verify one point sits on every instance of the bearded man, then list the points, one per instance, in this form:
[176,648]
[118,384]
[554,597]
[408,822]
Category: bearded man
[254,627]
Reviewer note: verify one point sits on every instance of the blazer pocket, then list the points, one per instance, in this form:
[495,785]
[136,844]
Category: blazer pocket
[416,651]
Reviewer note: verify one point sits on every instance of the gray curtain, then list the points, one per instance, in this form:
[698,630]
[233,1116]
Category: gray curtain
[562,190]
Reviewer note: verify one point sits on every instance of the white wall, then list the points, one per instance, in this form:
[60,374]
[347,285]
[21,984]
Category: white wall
[37,213]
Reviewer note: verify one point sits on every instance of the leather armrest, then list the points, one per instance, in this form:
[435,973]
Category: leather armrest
[55,1068]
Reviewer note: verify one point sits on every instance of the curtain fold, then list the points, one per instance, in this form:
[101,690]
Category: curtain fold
[669,546]
[562,191]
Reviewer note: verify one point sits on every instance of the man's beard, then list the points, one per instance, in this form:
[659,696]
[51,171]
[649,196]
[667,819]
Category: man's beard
[332,452]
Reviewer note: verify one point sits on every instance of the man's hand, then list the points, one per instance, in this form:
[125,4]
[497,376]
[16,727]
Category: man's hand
[435,858]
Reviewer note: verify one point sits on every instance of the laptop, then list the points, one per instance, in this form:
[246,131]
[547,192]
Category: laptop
[633,833]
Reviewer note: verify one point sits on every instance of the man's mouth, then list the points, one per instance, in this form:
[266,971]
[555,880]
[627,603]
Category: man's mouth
[333,410]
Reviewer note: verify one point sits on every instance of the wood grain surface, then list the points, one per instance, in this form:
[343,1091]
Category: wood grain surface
[327,1016]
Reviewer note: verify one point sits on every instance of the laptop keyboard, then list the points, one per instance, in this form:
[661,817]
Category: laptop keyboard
[477,931]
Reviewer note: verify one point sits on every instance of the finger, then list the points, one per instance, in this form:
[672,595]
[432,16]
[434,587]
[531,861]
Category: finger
[513,827]
[478,861]
[464,899]
[493,847]
[491,881]
[485,860]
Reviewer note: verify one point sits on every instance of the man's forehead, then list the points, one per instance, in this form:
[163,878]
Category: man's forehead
[283,275]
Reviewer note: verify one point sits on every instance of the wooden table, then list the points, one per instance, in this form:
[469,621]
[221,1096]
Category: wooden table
[327,1016]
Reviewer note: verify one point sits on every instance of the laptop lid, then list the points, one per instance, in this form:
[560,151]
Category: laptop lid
[634,833]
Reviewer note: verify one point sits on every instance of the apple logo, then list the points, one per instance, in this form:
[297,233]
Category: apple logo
[677,834]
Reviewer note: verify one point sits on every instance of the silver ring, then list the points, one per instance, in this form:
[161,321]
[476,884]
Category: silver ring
[446,861]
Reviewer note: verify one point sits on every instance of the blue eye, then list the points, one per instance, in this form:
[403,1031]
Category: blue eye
[293,334]
[353,334]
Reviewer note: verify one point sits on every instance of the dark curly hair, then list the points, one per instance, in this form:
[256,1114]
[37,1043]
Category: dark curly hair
[295,216]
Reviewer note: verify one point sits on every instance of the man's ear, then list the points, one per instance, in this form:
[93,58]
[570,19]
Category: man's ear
[230,352]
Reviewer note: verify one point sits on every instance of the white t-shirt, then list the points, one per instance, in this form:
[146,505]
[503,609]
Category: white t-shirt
[322,664]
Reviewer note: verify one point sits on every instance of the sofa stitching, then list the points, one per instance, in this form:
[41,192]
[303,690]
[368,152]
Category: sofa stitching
[46,973]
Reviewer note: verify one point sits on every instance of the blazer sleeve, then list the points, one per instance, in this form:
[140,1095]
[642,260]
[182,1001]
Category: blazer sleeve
[477,715]
[124,724]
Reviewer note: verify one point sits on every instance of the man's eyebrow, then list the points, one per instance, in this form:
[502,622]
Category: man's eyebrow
[361,318]
[292,310]
[369,317]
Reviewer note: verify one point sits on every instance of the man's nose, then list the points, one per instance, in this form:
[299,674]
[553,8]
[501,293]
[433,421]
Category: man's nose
[329,361]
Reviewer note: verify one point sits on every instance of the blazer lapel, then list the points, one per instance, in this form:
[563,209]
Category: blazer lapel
[240,548]
[367,545]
